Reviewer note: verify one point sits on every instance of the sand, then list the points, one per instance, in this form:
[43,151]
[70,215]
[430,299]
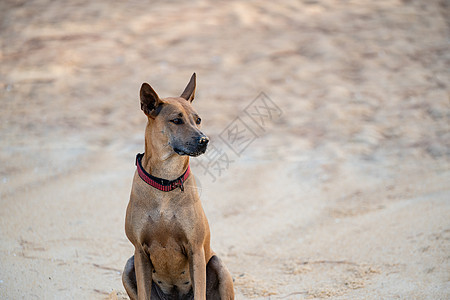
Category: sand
[338,189]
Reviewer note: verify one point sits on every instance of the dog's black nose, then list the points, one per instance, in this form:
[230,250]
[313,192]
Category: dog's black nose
[203,141]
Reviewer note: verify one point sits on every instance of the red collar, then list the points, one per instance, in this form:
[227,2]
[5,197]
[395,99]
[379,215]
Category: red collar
[159,183]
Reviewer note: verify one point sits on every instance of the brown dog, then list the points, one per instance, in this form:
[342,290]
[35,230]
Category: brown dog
[165,220]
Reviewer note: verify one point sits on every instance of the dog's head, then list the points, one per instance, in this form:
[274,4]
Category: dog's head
[173,121]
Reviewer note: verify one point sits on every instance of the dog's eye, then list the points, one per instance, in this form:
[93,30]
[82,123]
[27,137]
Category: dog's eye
[198,121]
[177,121]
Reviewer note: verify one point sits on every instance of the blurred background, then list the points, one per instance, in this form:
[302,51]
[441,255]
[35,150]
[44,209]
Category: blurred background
[340,188]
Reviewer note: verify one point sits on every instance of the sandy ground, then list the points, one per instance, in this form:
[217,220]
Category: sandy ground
[342,191]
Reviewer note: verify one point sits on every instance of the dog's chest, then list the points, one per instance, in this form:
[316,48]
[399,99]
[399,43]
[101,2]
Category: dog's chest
[165,240]
[163,224]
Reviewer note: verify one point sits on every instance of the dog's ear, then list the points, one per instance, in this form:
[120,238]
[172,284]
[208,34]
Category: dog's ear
[150,102]
[189,91]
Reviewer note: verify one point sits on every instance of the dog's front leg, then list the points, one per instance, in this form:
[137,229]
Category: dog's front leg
[144,269]
[198,273]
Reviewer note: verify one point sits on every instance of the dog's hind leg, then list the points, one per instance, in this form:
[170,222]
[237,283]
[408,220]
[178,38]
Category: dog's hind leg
[219,284]
[129,279]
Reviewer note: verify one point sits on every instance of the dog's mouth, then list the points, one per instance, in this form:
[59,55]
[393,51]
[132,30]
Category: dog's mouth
[193,153]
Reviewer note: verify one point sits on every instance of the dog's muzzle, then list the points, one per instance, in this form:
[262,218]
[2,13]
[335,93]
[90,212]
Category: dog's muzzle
[198,147]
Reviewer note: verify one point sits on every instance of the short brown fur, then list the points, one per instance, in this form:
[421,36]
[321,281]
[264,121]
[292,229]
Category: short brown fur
[169,230]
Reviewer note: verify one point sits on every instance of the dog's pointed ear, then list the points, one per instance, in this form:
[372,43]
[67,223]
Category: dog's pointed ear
[150,102]
[189,91]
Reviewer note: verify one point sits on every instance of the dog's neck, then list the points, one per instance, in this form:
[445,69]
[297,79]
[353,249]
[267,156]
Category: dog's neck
[170,168]
[160,160]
